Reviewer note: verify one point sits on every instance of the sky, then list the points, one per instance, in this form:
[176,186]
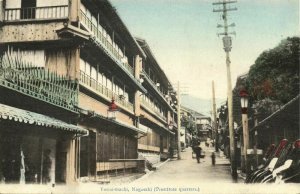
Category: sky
[182,34]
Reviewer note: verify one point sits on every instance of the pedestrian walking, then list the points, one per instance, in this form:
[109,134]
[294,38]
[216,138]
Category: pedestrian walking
[197,149]
[213,158]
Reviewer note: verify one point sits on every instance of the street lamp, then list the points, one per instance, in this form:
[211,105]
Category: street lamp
[112,110]
[244,101]
[244,107]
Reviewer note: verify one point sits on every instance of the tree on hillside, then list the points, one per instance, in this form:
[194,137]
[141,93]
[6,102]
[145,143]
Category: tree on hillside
[275,74]
[272,81]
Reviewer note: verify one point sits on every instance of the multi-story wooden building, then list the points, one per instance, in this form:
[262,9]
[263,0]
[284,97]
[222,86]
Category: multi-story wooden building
[75,64]
[39,94]
[156,113]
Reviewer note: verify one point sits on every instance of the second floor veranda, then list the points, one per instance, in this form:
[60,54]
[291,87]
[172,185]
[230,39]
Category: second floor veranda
[37,82]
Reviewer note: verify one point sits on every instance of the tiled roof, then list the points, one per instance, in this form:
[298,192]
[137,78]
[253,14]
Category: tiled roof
[27,117]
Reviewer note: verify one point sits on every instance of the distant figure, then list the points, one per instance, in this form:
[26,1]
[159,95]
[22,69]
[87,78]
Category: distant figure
[197,149]
[206,144]
[213,158]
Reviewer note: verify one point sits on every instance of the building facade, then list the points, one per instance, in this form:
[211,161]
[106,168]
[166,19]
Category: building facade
[80,66]
[156,112]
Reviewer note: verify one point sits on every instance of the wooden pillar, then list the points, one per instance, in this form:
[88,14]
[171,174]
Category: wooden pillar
[71,162]
[1,11]
[246,141]
[74,10]
[137,72]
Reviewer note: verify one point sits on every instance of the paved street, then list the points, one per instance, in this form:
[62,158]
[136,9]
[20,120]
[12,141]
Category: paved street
[187,170]
[175,176]
[187,176]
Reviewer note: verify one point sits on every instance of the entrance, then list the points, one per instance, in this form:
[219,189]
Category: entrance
[26,159]
[10,159]
[61,162]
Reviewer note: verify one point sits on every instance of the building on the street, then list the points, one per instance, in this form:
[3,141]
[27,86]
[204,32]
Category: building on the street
[198,126]
[268,123]
[156,115]
[203,125]
[281,124]
[38,115]
[71,72]
[188,122]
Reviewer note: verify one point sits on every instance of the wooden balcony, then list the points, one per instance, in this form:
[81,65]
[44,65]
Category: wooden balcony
[152,110]
[37,13]
[103,91]
[98,36]
[38,82]
[154,88]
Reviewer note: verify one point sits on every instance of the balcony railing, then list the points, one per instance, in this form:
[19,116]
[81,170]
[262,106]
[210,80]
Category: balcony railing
[98,35]
[154,85]
[36,13]
[104,91]
[151,108]
[38,82]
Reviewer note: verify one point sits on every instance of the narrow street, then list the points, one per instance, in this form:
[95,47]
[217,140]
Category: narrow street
[187,170]
[187,176]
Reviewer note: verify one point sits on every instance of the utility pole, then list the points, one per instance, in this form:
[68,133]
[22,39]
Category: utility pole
[227,42]
[215,126]
[178,122]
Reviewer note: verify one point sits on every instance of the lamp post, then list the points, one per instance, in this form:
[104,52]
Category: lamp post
[244,107]
[112,110]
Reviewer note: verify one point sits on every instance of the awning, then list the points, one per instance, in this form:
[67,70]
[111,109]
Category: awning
[69,30]
[139,130]
[99,117]
[27,117]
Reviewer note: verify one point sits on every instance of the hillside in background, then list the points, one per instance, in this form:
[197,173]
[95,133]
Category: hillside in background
[203,106]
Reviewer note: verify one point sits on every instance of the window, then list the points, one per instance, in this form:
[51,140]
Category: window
[87,69]
[94,73]
[28,9]
[82,65]
[109,84]
[99,78]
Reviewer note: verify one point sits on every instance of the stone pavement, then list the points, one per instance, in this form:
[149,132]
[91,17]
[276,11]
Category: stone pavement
[174,176]
[187,170]
[187,176]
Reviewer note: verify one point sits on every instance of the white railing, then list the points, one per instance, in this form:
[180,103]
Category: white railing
[31,13]
[103,90]
[152,108]
[87,22]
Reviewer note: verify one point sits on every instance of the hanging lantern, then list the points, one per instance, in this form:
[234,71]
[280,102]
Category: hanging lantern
[112,110]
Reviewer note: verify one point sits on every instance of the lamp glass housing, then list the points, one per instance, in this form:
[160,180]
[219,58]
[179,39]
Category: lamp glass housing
[112,114]
[244,102]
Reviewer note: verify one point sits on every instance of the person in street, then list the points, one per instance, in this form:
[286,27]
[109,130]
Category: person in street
[197,150]
[213,158]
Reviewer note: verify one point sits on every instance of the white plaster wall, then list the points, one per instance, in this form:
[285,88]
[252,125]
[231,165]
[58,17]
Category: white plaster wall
[13,4]
[42,3]
[33,57]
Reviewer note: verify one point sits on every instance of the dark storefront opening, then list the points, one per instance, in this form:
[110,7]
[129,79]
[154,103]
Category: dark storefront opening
[28,8]
[30,160]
